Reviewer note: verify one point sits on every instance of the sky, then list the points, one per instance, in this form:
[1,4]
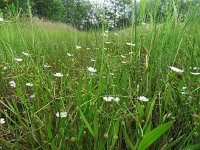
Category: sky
[101,1]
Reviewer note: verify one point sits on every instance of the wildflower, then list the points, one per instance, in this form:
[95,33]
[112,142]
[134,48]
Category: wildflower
[88,48]
[106,31]
[108,99]
[93,70]
[61,114]
[46,66]
[70,55]
[107,42]
[176,69]
[32,96]
[1,19]
[2,121]
[58,75]
[104,34]
[112,74]
[18,59]
[124,62]
[5,68]
[78,47]
[195,73]
[131,53]
[26,54]
[29,84]
[116,99]
[116,34]
[12,83]
[130,44]
[123,56]
[143,98]
[184,88]
[93,60]
[183,93]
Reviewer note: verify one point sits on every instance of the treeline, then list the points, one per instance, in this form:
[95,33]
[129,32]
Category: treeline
[83,14]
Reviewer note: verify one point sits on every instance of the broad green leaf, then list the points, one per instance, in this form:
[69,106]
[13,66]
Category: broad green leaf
[153,135]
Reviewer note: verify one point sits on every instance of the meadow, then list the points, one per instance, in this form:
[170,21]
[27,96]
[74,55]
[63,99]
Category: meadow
[136,88]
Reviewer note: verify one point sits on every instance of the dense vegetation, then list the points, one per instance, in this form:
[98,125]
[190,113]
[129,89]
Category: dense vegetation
[135,88]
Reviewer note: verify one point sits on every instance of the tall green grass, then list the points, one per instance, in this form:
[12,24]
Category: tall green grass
[169,120]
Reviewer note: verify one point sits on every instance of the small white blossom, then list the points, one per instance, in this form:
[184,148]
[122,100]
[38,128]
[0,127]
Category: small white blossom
[183,93]
[176,69]
[88,48]
[107,42]
[70,55]
[5,68]
[2,121]
[131,53]
[26,54]
[93,70]
[116,99]
[12,83]
[123,56]
[1,19]
[29,84]
[124,62]
[19,59]
[130,44]
[61,114]
[93,60]
[104,34]
[78,47]
[58,75]
[116,34]
[184,88]
[106,31]
[46,66]
[195,73]
[32,96]
[108,99]
[143,98]
[112,74]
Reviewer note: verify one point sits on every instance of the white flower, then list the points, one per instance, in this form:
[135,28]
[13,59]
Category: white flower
[123,56]
[32,96]
[124,62]
[184,88]
[116,99]
[61,114]
[2,121]
[78,47]
[46,66]
[115,34]
[70,55]
[108,99]
[106,31]
[112,74]
[195,73]
[93,70]
[93,60]
[26,54]
[5,68]
[143,98]
[131,53]
[58,75]
[18,59]
[130,44]
[176,69]
[1,19]
[29,84]
[104,34]
[183,93]
[12,83]
[88,48]
[107,42]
